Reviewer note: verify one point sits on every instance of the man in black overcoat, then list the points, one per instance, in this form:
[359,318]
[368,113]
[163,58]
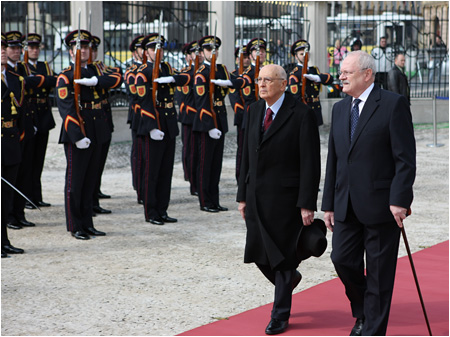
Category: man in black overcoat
[396,78]
[278,185]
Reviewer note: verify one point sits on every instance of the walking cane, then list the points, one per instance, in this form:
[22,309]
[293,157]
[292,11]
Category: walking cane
[415,275]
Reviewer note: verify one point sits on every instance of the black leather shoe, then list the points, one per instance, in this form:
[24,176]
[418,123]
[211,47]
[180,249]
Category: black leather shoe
[297,279]
[13,225]
[81,235]
[276,326]
[167,218]
[4,254]
[156,221]
[357,329]
[93,231]
[25,223]
[103,196]
[29,205]
[43,204]
[140,202]
[99,210]
[209,209]
[222,209]
[8,249]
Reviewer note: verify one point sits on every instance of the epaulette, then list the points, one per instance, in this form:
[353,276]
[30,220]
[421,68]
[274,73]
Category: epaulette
[294,70]
[142,67]
[201,68]
[247,70]
[69,68]
[186,69]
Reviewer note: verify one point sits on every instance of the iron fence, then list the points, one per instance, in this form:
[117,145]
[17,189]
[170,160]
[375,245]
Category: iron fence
[419,30]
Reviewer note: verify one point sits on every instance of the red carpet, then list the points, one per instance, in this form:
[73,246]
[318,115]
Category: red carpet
[323,310]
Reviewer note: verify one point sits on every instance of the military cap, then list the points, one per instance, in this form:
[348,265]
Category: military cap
[238,49]
[253,44]
[4,42]
[136,43]
[14,38]
[95,41]
[208,40]
[300,44]
[71,38]
[33,38]
[151,39]
[190,48]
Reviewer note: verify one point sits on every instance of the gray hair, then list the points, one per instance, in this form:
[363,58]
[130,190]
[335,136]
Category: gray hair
[365,61]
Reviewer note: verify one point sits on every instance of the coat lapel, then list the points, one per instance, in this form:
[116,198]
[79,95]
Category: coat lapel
[282,116]
[370,107]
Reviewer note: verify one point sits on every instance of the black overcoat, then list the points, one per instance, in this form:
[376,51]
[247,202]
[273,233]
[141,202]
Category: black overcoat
[280,174]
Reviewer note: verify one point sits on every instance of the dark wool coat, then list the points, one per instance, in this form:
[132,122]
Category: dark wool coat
[280,174]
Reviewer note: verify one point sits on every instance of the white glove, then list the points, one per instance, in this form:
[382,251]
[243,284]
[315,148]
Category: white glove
[83,143]
[156,134]
[35,129]
[222,83]
[89,82]
[314,78]
[215,133]
[165,79]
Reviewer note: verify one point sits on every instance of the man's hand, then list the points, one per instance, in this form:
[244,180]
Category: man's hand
[241,208]
[222,83]
[399,214]
[307,216]
[215,133]
[165,79]
[156,134]
[83,143]
[88,82]
[314,78]
[329,220]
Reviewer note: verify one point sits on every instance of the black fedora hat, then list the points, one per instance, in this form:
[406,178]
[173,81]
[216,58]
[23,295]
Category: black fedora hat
[312,240]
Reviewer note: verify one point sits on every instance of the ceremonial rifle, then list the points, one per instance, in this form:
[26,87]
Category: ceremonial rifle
[212,76]
[155,72]
[197,59]
[144,55]
[90,43]
[305,71]
[241,67]
[77,76]
[25,56]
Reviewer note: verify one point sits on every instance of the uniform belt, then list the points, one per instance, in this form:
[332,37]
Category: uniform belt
[8,124]
[313,100]
[91,106]
[165,105]
[218,103]
[38,100]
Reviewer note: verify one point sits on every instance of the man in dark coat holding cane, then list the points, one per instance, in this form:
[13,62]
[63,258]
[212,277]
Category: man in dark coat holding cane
[278,186]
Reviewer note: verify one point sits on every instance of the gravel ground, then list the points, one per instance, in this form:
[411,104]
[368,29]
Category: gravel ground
[143,279]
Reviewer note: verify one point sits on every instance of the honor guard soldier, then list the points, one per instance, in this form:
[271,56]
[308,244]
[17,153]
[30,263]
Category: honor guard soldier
[187,115]
[237,102]
[314,80]
[40,105]
[33,82]
[256,50]
[83,131]
[13,95]
[211,124]
[134,114]
[101,69]
[159,127]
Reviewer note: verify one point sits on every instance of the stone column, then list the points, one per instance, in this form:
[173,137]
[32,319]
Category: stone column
[223,12]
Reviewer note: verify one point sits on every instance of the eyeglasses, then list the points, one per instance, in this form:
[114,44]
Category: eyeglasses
[348,73]
[268,80]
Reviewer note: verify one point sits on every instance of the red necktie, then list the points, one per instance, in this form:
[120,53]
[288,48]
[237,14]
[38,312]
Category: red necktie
[268,119]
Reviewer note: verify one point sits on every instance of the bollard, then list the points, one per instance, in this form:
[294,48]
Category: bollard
[435,143]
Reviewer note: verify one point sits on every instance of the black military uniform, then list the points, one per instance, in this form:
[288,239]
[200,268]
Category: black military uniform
[33,82]
[206,123]
[83,159]
[40,105]
[13,96]
[313,88]
[134,114]
[237,102]
[159,127]
[186,101]
[102,69]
